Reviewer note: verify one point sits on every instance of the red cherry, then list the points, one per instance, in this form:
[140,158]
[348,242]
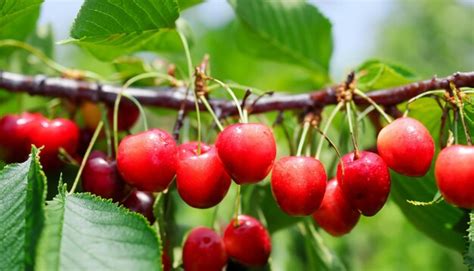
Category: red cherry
[406,146]
[53,135]
[204,250]
[298,184]
[147,160]
[141,202]
[15,132]
[336,215]
[127,115]
[247,241]
[101,177]
[201,179]
[454,171]
[365,181]
[247,151]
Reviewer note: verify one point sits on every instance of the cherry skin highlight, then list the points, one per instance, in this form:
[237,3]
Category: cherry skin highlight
[128,114]
[365,181]
[406,146]
[298,184]
[15,134]
[201,179]
[247,241]
[142,203]
[336,215]
[204,250]
[53,135]
[247,151]
[454,171]
[101,177]
[147,160]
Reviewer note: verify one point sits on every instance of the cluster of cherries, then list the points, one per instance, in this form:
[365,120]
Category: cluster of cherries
[245,152]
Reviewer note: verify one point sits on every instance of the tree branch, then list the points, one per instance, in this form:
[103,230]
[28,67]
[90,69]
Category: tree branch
[174,98]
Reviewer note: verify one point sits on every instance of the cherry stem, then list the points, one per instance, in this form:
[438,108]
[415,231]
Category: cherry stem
[213,217]
[68,157]
[303,137]
[331,143]
[86,156]
[372,102]
[127,84]
[189,61]
[239,86]
[237,207]
[234,98]
[364,113]
[213,114]
[460,105]
[456,118]
[45,59]
[108,133]
[352,130]
[431,92]
[326,128]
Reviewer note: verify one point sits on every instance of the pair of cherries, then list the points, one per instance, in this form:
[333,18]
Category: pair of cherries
[245,241]
[408,149]
[19,132]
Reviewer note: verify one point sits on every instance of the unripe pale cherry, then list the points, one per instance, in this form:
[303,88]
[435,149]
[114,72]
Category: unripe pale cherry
[298,184]
[406,146]
[201,179]
[247,241]
[247,151]
[147,160]
[336,215]
[365,181]
[204,250]
[101,177]
[454,171]
[53,135]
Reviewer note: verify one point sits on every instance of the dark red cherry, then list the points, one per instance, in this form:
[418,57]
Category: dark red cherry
[365,181]
[406,146]
[127,115]
[298,184]
[204,250]
[85,137]
[336,215]
[147,160]
[247,151]
[454,171]
[101,177]
[53,135]
[15,133]
[201,179]
[247,241]
[141,202]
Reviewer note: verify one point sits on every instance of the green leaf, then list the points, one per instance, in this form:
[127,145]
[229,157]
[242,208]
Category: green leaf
[469,254]
[110,28]
[169,40]
[22,193]
[184,4]
[287,31]
[375,74]
[18,19]
[85,232]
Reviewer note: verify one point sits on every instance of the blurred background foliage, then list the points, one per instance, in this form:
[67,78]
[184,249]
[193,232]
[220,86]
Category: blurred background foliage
[430,37]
